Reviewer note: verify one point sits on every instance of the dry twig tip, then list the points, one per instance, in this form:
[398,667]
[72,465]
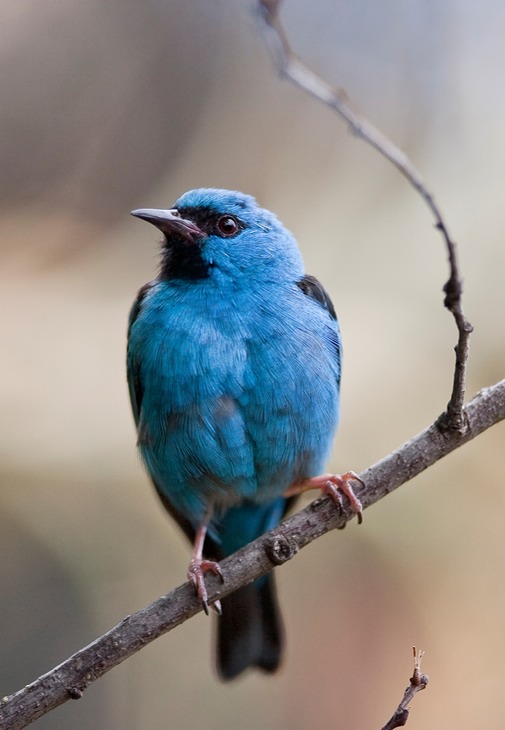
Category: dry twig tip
[418,682]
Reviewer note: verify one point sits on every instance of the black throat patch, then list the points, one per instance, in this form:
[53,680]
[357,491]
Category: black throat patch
[182,260]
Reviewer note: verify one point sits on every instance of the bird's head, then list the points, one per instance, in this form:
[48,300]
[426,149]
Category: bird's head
[225,232]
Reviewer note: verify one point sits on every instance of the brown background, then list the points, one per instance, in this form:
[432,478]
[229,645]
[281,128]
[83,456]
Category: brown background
[110,106]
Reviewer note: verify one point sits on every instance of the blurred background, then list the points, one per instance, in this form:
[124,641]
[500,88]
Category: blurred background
[106,107]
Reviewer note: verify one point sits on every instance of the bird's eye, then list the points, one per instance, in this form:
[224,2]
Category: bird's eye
[227,225]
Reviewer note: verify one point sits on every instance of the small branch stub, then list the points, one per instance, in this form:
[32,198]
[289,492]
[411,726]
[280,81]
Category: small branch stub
[74,693]
[418,682]
[281,548]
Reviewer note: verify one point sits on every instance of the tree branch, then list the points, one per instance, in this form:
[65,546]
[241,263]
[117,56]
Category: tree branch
[418,681]
[73,676]
[296,71]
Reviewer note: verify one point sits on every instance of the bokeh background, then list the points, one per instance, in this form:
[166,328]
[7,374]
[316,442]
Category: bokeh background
[110,106]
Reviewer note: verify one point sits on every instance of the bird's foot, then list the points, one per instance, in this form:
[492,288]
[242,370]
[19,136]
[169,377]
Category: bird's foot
[196,574]
[334,485]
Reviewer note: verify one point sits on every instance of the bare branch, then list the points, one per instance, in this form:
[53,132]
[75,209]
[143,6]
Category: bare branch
[294,69]
[73,676]
[418,681]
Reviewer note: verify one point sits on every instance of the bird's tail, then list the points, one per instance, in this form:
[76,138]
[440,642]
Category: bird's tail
[250,632]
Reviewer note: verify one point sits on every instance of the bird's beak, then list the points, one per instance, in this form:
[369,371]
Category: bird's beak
[170,223]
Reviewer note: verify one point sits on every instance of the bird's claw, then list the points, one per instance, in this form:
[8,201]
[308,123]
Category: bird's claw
[196,574]
[335,484]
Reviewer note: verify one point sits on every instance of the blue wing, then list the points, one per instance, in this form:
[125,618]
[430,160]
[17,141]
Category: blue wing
[316,291]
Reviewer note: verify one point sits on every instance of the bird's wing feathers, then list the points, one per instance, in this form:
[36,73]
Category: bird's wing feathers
[136,388]
[315,290]
[135,385]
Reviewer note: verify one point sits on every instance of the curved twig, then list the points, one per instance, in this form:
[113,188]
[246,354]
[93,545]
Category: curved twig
[294,69]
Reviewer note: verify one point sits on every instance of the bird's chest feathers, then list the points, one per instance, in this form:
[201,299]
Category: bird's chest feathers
[194,348]
[239,399]
[233,359]
[196,345]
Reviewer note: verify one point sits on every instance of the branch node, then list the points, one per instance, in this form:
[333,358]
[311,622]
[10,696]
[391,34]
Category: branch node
[452,290]
[74,693]
[281,548]
[453,422]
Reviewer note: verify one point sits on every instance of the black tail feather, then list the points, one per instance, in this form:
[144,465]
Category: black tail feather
[250,633]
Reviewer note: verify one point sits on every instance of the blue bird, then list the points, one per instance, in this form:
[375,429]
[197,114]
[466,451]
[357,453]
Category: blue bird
[234,361]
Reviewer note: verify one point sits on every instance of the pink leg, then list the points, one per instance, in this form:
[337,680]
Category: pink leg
[198,566]
[332,485]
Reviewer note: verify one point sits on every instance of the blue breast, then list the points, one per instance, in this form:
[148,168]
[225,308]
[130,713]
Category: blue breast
[240,393]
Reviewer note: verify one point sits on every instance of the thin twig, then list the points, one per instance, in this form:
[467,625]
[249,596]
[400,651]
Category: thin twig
[293,68]
[73,676]
[418,682]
